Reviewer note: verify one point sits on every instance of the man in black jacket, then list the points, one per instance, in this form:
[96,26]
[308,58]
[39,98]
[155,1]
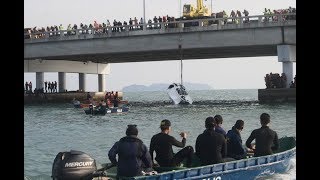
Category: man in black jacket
[266,139]
[211,147]
[133,155]
[162,143]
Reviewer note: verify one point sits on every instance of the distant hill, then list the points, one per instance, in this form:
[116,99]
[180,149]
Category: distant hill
[163,87]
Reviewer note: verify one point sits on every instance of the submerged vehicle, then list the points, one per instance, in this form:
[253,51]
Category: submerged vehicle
[78,165]
[176,91]
[178,94]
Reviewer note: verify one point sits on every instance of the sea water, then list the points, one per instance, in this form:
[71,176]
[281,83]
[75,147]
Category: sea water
[53,128]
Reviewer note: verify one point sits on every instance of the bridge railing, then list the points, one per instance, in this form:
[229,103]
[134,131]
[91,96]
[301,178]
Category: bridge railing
[164,27]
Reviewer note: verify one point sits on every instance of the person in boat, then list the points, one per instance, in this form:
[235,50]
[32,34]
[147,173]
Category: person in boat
[211,146]
[102,106]
[91,108]
[75,101]
[234,142]
[133,154]
[266,139]
[218,122]
[115,102]
[162,143]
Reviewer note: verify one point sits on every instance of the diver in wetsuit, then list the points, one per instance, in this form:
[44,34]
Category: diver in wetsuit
[162,143]
[211,146]
[266,139]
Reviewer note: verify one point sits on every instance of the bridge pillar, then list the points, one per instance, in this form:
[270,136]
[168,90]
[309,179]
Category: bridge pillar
[287,55]
[101,82]
[82,82]
[39,80]
[62,81]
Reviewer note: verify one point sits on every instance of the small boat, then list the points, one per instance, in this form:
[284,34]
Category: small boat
[104,111]
[77,104]
[250,168]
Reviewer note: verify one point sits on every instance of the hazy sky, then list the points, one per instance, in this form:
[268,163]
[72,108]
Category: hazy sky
[226,73]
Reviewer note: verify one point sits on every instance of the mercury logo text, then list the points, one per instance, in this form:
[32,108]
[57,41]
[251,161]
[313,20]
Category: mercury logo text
[78,164]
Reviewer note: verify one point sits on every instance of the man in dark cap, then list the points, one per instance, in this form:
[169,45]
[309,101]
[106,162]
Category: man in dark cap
[133,155]
[211,146]
[266,139]
[234,141]
[162,143]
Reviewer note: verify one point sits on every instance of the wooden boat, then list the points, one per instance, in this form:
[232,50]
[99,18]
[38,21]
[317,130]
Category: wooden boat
[249,168]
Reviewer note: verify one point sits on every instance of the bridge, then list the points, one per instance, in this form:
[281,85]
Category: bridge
[91,50]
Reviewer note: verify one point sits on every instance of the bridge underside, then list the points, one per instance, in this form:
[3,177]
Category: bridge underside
[203,53]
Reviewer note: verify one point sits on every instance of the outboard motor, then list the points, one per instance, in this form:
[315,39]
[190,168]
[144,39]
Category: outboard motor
[73,165]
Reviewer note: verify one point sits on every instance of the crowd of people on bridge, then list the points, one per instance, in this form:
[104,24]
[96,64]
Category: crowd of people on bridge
[97,28]
[134,24]
[212,146]
[274,80]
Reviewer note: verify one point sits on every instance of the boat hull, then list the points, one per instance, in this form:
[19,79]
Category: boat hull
[86,105]
[250,168]
[107,111]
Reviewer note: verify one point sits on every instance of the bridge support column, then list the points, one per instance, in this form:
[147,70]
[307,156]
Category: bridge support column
[39,80]
[82,82]
[101,82]
[62,81]
[287,55]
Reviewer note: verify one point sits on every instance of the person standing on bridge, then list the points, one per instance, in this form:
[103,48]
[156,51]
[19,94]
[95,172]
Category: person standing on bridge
[233,15]
[246,14]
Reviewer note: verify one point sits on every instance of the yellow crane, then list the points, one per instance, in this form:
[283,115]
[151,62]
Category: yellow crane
[190,12]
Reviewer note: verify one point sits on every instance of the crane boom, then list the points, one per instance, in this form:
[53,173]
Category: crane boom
[189,11]
[199,4]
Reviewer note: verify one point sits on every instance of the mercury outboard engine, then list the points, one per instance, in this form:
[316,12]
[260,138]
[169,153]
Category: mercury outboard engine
[73,165]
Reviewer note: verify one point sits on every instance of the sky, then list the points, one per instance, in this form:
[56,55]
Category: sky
[225,73]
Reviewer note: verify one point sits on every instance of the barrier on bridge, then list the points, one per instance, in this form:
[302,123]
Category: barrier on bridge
[164,27]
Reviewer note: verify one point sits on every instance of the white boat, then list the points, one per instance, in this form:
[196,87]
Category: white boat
[177,92]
